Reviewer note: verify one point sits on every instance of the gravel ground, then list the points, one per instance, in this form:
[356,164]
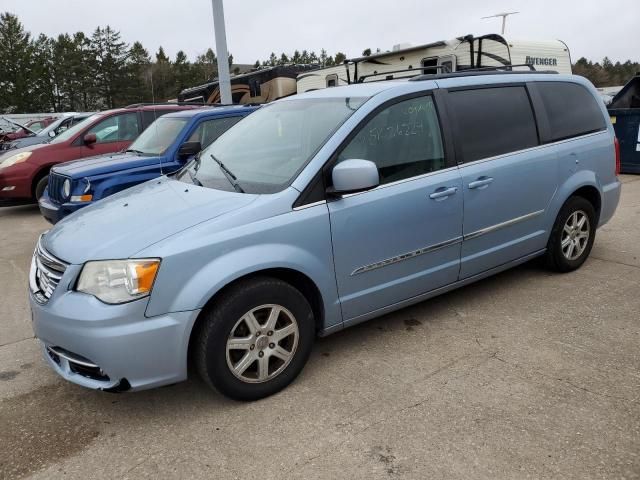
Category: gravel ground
[528,374]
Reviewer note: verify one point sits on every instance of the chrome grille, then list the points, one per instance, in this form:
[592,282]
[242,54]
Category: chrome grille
[55,187]
[46,272]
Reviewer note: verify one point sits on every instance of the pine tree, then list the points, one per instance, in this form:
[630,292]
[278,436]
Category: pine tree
[139,75]
[323,57]
[206,66]
[83,68]
[16,59]
[44,91]
[110,54]
[182,72]
[163,77]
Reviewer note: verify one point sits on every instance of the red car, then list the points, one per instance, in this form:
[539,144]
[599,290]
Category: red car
[24,172]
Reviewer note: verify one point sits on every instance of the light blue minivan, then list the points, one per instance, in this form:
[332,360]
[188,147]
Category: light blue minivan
[318,212]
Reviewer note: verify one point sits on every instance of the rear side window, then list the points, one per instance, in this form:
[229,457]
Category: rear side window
[571,110]
[493,121]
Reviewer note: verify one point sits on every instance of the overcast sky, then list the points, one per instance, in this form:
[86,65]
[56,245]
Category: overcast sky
[591,28]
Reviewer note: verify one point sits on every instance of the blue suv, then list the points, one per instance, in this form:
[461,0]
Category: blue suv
[161,149]
[317,212]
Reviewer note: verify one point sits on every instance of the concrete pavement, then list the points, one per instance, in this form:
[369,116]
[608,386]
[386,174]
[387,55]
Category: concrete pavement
[528,374]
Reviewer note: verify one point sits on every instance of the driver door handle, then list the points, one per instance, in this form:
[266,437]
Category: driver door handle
[443,192]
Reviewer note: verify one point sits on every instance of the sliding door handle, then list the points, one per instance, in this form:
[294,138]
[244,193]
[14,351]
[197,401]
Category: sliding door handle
[481,182]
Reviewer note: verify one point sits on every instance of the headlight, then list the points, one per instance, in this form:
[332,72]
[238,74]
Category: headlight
[118,281]
[13,159]
[86,196]
[66,188]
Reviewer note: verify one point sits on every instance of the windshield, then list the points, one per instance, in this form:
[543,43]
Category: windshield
[67,134]
[265,151]
[159,136]
[45,131]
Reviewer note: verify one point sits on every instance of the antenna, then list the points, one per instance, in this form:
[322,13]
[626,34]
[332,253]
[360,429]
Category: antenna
[504,16]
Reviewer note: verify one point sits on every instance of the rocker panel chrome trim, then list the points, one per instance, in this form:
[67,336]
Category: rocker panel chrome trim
[498,226]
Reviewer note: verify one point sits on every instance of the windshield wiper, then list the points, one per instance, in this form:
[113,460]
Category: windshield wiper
[194,180]
[233,180]
[139,152]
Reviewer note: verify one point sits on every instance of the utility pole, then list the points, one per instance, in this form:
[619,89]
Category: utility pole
[224,80]
[504,18]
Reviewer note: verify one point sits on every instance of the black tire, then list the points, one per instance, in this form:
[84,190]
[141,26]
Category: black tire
[210,352]
[40,187]
[555,257]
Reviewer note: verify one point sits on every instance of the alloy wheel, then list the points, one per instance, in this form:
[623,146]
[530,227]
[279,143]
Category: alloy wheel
[575,235]
[262,343]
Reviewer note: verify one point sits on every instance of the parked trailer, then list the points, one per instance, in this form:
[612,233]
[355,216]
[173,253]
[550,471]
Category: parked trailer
[260,86]
[461,53]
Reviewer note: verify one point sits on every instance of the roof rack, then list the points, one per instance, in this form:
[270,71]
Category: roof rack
[193,104]
[389,74]
[163,104]
[430,76]
[498,70]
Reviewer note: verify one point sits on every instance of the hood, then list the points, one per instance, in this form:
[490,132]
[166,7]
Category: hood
[125,223]
[14,135]
[27,141]
[102,164]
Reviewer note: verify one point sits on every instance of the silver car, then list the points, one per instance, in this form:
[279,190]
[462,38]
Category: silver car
[66,121]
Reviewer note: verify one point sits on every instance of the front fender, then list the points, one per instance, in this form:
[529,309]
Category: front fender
[299,241]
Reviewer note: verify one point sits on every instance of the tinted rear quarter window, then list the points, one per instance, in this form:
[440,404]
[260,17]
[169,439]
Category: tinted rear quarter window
[571,110]
[492,121]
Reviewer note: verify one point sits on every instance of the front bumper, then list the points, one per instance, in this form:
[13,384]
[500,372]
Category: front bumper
[125,347]
[15,186]
[54,212]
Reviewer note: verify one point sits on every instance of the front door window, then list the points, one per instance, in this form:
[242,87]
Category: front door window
[403,140]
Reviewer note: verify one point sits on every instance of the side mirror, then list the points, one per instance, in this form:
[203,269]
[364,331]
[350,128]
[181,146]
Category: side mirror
[52,133]
[90,138]
[351,176]
[188,149]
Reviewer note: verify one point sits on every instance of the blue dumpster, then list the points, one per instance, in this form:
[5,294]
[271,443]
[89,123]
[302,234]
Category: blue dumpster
[624,110]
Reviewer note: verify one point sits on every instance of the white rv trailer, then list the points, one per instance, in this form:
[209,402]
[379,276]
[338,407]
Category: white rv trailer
[461,53]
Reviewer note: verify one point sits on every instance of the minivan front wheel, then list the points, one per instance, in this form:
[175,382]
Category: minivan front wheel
[256,339]
[572,236]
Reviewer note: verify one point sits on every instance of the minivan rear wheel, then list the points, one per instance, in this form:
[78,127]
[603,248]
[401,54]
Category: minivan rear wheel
[572,235]
[256,339]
